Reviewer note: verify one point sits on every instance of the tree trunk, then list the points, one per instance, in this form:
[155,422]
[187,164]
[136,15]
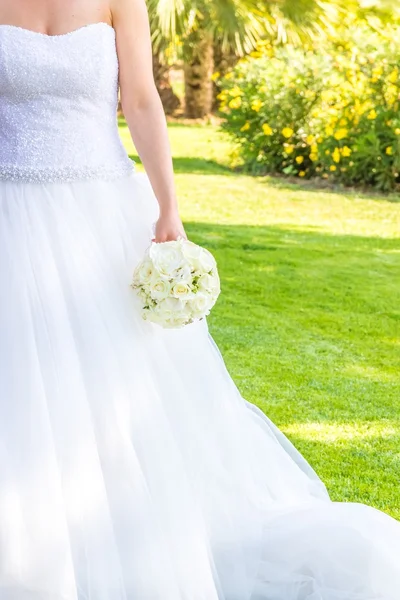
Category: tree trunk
[223,63]
[198,70]
[161,77]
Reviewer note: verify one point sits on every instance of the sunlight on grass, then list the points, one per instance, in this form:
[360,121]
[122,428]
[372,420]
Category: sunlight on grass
[252,201]
[372,373]
[309,316]
[334,432]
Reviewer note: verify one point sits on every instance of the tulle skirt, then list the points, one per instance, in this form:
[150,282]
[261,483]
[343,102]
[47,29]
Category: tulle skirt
[130,466]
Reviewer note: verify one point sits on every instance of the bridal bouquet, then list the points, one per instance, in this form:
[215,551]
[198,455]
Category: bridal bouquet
[177,282]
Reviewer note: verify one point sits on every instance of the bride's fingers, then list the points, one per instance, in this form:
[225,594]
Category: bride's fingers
[159,238]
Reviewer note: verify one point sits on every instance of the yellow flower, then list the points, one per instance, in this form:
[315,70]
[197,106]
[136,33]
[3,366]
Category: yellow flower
[397,131]
[235,102]
[336,155]
[310,139]
[267,129]
[299,159]
[393,76]
[235,91]
[257,105]
[246,126]
[327,152]
[314,148]
[313,156]
[372,114]
[340,134]
[229,75]
[287,132]
[289,148]
[346,151]
[302,173]
[216,76]
[343,122]
[329,130]
[377,72]
[389,150]
[332,168]
[326,95]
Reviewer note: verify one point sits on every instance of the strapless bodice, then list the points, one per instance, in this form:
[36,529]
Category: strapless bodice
[58,101]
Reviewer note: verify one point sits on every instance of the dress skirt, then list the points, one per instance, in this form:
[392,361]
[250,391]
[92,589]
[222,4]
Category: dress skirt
[130,466]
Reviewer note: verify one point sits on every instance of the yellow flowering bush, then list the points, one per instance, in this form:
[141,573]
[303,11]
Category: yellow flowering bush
[331,111]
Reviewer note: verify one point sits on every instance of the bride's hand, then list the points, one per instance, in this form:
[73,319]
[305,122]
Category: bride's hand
[168,228]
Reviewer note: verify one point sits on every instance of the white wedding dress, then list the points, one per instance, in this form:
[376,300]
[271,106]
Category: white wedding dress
[130,466]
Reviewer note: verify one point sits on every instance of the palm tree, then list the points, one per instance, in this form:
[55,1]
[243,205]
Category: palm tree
[233,28]
[236,25]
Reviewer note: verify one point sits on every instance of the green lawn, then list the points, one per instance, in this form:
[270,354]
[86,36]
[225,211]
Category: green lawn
[309,316]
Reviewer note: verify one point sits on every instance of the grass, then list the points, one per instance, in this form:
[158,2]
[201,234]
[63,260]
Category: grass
[309,317]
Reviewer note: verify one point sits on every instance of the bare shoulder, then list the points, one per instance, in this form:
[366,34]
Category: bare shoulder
[128,10]
[131,23]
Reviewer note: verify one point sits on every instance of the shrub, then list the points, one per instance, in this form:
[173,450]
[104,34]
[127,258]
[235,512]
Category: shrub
[329,112]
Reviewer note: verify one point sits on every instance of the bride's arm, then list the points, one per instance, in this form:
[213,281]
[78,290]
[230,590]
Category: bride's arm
[143,110]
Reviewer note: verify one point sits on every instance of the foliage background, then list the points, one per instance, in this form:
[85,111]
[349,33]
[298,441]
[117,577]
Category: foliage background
[328,109]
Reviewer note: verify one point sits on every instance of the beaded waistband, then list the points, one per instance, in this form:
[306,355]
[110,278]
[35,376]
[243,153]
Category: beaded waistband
[66,174]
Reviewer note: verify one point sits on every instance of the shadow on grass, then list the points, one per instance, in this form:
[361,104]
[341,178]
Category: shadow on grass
[195,166]
[274,237]
[202,166]
[308,315]
[317,187]
[305,323]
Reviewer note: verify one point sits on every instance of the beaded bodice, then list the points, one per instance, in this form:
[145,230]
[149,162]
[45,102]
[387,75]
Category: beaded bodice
[58,100]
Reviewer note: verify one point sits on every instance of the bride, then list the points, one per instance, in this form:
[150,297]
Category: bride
[130,466]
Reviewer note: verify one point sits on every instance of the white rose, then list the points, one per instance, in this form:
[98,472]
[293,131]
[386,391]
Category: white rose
[192,253]
[205,282]
[160,288]
[174,323]
[152,314]
[216,287]
[170,306]
[167,258]
[169,313]
[207,261]
[143,295]
[200,305]
[191,250]
[144,272]
[184,275]
[181,290]
[209,283]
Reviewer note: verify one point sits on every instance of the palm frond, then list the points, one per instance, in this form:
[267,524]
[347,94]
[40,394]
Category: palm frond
[239,24]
